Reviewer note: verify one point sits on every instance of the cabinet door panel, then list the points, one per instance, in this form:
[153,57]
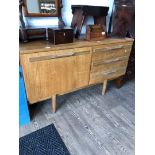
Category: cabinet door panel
[46,75]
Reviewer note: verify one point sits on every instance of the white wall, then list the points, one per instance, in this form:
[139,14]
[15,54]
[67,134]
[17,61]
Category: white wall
[67,15]
[33,6]
[91,2]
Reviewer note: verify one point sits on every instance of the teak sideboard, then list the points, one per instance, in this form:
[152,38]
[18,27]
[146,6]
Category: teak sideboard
[51,70]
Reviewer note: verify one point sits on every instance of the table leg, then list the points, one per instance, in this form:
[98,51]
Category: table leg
[77,22]
[104,87]
[54,103]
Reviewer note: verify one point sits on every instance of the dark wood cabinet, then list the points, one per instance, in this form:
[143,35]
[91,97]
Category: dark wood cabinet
[60,35]
[29,33]
[123,18]
[80,12]
[123,25]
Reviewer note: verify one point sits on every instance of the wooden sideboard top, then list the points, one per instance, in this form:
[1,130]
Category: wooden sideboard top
[43,46]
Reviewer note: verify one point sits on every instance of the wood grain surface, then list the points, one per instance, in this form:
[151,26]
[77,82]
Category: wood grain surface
[50,70]
[51,73]
[45,46]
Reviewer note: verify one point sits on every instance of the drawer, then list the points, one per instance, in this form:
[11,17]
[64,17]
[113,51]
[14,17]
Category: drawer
[98,77]
[107,65]
[109,52]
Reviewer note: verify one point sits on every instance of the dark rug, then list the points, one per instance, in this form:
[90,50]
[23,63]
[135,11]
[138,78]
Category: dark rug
[45,141]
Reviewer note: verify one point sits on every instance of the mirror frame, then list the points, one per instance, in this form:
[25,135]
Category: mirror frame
[27,14]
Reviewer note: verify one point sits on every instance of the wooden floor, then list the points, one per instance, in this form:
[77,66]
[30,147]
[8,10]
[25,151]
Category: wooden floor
[89,123]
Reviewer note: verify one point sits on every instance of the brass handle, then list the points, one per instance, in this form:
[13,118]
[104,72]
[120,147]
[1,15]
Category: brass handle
[48,57]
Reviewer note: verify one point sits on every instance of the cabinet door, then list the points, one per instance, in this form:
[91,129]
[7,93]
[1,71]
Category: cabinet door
[55,72]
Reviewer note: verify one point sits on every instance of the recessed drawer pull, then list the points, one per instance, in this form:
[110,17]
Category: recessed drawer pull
[115,47]
[110,61]
[106,73]
[116,59]
[82,53]
[110,72]
[48,57]
[113,71]
[109,48]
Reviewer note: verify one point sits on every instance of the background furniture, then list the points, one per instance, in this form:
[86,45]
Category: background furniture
[24,117]
[56,5]
[95,32]
[60,35]
[51,70]
[33,33]
[22,31]
[123,25]
[80,12]
[26,32]
[41,8]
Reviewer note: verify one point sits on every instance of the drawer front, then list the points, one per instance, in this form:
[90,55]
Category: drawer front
[108,62]
[54,72]
[36,32]
[109,52]
[98,77]
[108,65]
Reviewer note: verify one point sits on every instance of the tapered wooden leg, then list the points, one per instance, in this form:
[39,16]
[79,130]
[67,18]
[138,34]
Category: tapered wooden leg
[104,87]
[54,103]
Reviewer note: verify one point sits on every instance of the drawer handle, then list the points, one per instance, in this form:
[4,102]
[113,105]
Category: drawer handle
[54,56]
[109,48]
[110,61]
[116,59]
[82,53]
[113,71]
[115,47]
[48,57]
[110,72]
